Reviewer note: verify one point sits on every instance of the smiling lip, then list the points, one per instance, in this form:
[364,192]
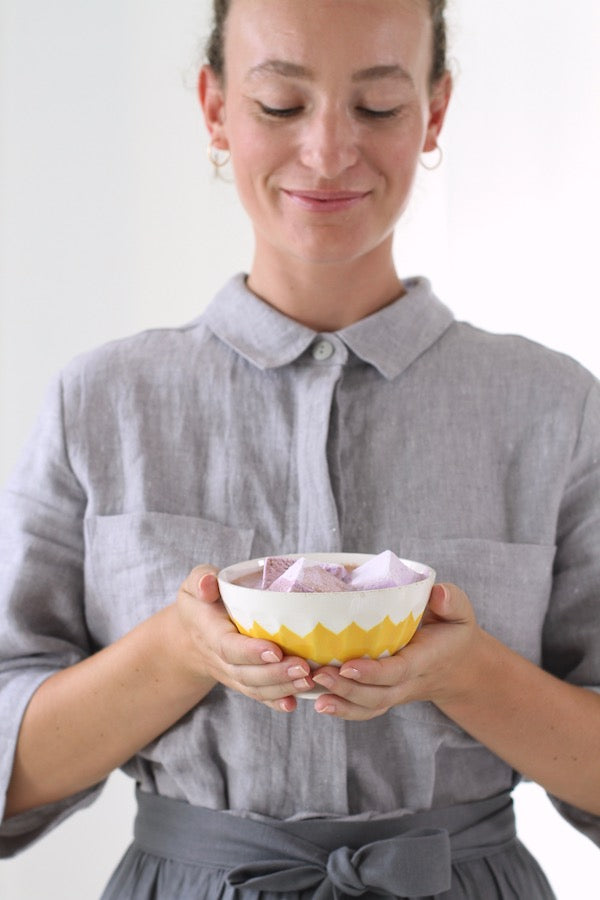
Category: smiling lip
[326,201]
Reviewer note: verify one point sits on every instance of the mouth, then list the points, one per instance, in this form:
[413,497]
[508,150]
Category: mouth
[326,201]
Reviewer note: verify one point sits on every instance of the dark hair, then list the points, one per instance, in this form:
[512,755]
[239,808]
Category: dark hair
[437,9]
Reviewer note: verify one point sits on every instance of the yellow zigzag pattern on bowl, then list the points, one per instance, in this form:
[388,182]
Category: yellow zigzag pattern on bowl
[323,645]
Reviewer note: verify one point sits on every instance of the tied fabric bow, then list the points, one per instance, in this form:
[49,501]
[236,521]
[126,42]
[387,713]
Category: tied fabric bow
[412,864]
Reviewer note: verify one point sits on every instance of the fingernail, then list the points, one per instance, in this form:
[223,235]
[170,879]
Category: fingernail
[328,710]
[269,656]
[206,582]
[302,684]
[324,680]
[445,596]
[350,673]
[297,672]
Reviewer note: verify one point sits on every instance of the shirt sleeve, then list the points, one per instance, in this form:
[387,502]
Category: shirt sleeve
[571,637]
[41,598]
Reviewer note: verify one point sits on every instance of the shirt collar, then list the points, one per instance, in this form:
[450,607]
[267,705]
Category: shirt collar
[390,339]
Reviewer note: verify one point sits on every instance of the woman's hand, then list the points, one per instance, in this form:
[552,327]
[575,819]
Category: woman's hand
[214,648]
[433,666]
[86,720]
[539,725]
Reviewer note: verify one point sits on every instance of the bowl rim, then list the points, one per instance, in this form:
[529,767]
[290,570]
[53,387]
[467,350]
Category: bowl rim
[229,574]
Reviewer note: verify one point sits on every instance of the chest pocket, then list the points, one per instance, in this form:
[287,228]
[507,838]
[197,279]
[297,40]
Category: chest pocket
[135,563]
[509,587]
[509,584]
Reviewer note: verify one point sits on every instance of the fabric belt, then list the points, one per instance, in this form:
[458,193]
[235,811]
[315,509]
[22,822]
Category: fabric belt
[409,855]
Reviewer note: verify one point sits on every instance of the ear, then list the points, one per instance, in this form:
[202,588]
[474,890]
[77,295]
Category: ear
[438,107]
[212,101]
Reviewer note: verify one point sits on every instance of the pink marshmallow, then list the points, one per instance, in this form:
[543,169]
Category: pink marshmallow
[304,577]
[340,572]
[274,566]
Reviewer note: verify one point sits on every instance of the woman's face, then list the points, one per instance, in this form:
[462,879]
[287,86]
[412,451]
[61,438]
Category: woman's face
[325,108]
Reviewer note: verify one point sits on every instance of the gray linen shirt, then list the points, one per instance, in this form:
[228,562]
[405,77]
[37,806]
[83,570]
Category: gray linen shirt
[245,433]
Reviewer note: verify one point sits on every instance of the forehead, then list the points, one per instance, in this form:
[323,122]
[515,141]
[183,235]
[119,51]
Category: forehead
[314,35]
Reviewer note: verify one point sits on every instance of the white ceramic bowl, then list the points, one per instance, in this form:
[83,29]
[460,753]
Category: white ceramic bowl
[326,628]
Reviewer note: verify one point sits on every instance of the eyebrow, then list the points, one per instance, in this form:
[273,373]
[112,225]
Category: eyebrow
[293,70]
[397,72]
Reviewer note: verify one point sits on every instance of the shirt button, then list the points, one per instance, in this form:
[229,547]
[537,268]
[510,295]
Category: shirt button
[322,350]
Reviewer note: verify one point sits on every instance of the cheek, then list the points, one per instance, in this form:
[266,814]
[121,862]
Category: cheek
[253,139]
[397,159]
[253,162]
[255,155]
[396,150]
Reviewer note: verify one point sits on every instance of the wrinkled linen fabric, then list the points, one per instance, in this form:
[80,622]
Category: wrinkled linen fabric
[228,439]
[466,851]
[512,874]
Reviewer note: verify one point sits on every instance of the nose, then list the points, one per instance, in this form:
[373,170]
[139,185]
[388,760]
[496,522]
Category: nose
[329,144]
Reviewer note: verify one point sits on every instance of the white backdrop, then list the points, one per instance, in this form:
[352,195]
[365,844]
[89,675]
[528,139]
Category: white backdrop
[111,222]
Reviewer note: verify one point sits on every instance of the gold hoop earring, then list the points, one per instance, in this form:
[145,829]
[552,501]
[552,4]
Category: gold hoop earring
[437,163]
[218,157]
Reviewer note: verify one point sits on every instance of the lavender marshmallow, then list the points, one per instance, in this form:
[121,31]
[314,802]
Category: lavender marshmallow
[383,571]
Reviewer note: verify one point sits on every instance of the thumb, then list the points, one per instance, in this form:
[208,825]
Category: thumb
[202,583]
[208,588]
[449,604]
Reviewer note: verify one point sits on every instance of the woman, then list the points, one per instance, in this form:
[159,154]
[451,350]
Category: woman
[321,403]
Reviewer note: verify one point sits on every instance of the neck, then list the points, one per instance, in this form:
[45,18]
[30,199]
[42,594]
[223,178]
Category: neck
[327,297]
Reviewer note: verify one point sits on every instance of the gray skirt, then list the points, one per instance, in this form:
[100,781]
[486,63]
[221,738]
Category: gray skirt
[183,852]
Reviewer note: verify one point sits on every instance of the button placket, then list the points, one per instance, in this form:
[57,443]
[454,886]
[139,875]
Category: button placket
[318,522]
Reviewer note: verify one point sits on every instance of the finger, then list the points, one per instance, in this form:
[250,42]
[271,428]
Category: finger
[265,660]
[342,708]
[363,689]
[240,650]
[234,647]
[254,668]
[208,588]
[243,669]
[368,685]
[285,704]
[201,583]
[271,682]
[236,661]
[251,682]
[447,603]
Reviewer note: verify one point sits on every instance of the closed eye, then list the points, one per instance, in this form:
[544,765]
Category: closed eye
[280,113]
[378,113]
[290,111]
